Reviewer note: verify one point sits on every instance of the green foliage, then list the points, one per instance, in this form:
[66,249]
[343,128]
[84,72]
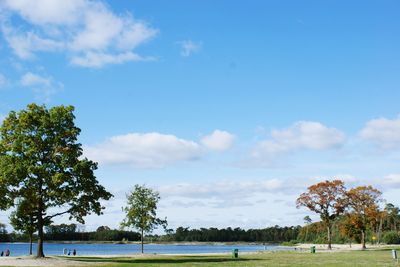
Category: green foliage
[3,233]
[68,232]
[289,243]
[41,161]
[275,234]
[23,218]
[141,209]
[391,237]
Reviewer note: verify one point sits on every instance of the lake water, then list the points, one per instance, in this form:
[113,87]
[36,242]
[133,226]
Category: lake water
[19,249]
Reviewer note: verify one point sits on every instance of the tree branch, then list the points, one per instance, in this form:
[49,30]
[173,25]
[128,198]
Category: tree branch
[57,214]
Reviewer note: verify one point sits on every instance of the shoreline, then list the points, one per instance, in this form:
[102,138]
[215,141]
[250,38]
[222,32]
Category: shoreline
[69,261]
[152,243]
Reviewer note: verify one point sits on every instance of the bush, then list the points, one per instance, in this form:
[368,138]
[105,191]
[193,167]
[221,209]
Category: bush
[289,243]
[391,238]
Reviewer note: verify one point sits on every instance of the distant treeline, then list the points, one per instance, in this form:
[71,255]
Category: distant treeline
[274,234]
[387,232]
[70,232]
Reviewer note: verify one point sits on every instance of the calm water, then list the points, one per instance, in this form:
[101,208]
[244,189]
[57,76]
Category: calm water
[18,249]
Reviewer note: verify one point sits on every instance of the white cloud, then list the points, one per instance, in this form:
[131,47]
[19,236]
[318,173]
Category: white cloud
[149,150]
[155,150]
[47,11]
[224,194]
[90,33]
[303,135]
[224,189]
[25,44]
[218,140]
[390,181]
[30,79]
[97,60]
[385,133]
[43,86]
[189,47]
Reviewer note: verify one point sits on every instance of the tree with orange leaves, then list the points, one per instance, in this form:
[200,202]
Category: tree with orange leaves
[364,208]
[328,200]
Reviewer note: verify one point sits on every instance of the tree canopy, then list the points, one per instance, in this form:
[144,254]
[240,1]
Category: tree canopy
[326,199]
[42,162]
[141,210]
[364,209]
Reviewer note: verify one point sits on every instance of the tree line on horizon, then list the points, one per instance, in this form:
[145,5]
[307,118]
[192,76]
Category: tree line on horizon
[71,232]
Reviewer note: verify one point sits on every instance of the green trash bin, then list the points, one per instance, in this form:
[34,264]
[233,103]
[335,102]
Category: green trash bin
[235,253]
[313,249]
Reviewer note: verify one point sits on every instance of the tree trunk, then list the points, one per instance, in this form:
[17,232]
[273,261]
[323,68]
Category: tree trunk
[142,242]
[30,244]
[363,239]
[380,230]
[40,253]
[329,237]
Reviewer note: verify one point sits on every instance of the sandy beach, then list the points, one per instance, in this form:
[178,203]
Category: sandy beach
[341,247]
[32,261]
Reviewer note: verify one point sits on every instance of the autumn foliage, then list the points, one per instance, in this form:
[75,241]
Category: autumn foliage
[358,208]
[328,199]
[363,204]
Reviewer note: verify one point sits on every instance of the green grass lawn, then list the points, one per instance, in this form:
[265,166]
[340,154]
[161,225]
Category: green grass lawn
[355,258]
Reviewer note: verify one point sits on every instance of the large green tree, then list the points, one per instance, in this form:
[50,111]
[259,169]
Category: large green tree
[42,162]
[141,211]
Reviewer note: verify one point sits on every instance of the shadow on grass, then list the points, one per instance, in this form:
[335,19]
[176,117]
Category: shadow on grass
[165,260]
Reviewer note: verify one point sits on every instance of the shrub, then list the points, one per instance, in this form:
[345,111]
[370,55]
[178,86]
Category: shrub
[391,237]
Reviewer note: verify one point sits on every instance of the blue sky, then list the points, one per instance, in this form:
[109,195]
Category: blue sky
[229,109]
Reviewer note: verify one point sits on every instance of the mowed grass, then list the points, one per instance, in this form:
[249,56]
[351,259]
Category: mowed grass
[354,258]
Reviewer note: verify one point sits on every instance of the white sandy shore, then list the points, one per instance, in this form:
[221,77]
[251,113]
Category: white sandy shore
[32,261]
[341,247]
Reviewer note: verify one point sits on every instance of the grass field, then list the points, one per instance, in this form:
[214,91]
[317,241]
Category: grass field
[354,258]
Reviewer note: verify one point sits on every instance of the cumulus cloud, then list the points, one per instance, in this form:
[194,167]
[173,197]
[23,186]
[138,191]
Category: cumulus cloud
[224,194]
[189,47]
[148,150]
[24,44]
[218,140]
[96,60]
[385,133]
[223,189]
[303,135]
[155,150]
[89,32]
[43,86]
